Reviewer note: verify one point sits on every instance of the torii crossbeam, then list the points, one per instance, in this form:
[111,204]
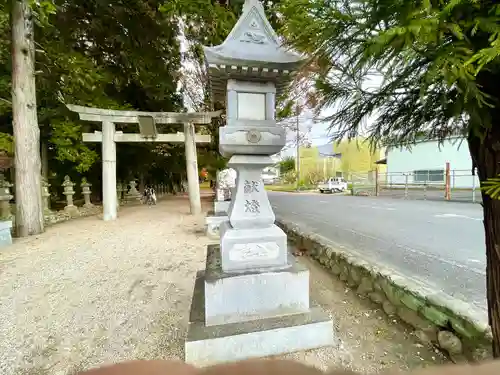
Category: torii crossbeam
[147,121]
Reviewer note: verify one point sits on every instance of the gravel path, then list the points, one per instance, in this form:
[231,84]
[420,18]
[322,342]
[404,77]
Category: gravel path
[89,292]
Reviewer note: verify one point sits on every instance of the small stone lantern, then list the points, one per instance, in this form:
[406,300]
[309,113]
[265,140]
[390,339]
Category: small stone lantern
[133,194]
[119,193]
[85,185]
[46,197]
[69,192]
[5,197]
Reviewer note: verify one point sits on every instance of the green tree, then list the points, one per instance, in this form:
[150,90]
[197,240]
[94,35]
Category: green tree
[131,68]
[203,22]
[287,165]
[439,67]
[29,210]
[96,53]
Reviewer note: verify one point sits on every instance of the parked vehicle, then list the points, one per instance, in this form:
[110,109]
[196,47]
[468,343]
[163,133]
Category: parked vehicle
[269,179]
[333,185]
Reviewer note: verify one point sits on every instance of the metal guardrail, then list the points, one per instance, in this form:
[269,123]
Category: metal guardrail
[457,185]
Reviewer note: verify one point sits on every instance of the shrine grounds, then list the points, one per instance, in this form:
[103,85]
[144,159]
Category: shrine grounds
[88,292]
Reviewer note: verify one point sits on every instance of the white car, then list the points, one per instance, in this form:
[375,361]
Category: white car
[268,179]
[333,185]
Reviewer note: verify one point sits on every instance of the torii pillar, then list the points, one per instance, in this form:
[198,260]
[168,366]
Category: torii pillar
[147,122]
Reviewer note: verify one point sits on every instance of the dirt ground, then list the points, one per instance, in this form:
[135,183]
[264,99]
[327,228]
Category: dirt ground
[88,292]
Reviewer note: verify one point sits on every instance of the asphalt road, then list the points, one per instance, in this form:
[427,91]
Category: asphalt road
[438,243]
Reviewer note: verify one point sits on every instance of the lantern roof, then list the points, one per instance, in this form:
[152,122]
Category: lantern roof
[252,51]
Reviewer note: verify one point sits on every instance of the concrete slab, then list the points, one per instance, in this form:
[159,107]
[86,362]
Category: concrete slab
[266,293]
[258,338]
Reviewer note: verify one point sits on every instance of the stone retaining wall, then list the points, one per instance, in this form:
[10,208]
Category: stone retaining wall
[454,326]
[60,216]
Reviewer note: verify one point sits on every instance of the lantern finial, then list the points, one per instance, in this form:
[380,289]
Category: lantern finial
[250,3]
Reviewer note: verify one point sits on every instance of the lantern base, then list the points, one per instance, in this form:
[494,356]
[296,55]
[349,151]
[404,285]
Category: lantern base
[269,336]
[71,209]
[253,314]
[5,233]
[213,222]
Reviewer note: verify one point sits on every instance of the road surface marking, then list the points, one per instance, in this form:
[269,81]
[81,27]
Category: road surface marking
[474,260]
[458,216]
[411,250]
[377,207]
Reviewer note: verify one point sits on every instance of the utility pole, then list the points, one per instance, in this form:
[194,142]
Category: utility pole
[297,159]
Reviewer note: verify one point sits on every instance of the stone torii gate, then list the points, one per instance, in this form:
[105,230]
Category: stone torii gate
[148,133]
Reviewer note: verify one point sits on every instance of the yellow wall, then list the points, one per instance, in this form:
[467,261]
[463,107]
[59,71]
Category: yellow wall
[356,158]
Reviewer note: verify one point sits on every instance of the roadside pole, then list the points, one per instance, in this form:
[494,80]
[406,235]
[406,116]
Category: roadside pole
[474,185]
[447,195]
[297,159]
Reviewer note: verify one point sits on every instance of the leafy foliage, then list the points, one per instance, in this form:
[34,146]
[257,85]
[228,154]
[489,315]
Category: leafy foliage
[431,58]
[492,187]
[438,67]
[287,164]
[289,177]
[203,22]
[96,53]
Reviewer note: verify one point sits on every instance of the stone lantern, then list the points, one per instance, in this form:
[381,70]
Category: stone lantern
[255,295]
[85,185]
[69,192]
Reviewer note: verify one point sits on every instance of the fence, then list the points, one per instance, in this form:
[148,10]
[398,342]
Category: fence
[446,184]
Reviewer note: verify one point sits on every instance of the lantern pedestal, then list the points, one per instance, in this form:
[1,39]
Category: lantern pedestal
[252,314]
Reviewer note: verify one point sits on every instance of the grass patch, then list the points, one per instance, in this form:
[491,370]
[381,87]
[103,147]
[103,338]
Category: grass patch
[288,187]
[281,187]
[205,185]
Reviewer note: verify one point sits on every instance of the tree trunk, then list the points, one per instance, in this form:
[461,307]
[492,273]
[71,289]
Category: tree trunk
[29,209]
[142,182]
[45,160]
[486,157]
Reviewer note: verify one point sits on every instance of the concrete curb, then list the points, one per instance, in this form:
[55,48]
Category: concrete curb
[456,327]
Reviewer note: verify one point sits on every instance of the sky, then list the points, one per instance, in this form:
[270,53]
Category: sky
[319,133]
